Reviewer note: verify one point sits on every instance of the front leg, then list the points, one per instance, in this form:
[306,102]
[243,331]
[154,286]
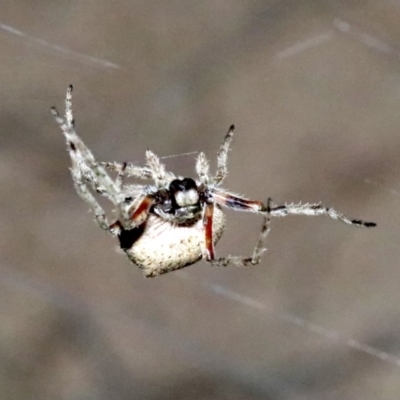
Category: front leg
[315,210]
[240,204]
[237,203]
[80,154]
[85,194]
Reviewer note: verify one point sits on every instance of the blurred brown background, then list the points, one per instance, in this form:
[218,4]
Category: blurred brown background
[314,90]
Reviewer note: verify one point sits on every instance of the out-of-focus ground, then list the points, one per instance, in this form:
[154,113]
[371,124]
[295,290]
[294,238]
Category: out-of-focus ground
[314,90]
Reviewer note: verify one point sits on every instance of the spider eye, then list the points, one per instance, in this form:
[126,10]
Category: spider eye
[184,192]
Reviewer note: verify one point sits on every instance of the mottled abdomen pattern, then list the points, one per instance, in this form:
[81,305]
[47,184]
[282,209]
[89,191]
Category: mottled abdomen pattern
[158,246]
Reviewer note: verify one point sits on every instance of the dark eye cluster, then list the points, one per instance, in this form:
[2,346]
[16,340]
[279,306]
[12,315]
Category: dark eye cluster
[182,185]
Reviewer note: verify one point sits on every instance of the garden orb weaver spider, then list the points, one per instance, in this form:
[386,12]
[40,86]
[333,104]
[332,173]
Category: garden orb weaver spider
[175,221]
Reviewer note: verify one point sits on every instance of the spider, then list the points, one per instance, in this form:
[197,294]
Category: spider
[174,221]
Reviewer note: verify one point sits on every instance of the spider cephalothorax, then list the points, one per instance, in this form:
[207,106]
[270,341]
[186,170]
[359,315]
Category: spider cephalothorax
[182,201]
[175,221]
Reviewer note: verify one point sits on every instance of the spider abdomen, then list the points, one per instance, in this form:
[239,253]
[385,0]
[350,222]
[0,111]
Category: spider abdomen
[161,246]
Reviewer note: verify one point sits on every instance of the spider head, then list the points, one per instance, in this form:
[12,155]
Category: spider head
[181,203]
[184,193]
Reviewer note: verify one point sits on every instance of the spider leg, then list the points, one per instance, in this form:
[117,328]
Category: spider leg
[130,169]
[139,212]
[83,191]
[208,231]
[222,157]
[315,210]
[81,156]
[120,177]
[159,173]
[239,261]
[237,203]
[134,216]
[203,168]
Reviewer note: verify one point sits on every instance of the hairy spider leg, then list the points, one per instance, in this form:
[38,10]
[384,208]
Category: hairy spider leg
[85,169]
[131,170]
[81,176]
[160,176]
[222,157]
[83,191]
[203,169]
[120,177]
[94,173]
[259,248]
[315,210]
[240,204]
[124,215]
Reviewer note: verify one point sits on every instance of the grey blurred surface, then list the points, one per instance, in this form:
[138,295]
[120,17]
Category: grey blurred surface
[314,90]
